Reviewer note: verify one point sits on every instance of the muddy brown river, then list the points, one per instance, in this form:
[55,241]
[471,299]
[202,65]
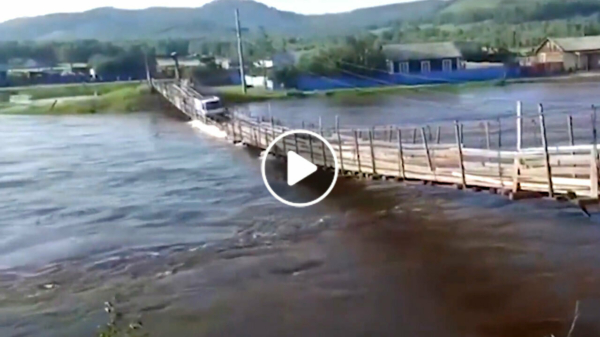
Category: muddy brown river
[177,230]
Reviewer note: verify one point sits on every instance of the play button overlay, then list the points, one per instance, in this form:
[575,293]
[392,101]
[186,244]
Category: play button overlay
[298,168]
[301,168]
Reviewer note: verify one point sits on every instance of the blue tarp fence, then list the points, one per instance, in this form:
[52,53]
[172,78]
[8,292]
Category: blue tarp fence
[316,83]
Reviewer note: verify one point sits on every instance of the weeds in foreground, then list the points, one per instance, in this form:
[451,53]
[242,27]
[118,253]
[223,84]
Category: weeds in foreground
[117,327]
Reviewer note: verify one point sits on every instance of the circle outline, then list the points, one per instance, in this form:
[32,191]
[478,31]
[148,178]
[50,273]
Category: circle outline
[264,163]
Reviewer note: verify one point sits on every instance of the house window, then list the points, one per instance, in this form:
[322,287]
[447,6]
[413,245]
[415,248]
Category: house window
[404,68]
[447,65]
[425,66]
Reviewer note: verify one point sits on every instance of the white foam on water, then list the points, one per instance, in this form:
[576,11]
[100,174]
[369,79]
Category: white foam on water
[263,154]
[210,130]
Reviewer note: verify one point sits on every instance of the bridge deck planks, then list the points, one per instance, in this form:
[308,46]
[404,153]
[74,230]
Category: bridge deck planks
[487,163]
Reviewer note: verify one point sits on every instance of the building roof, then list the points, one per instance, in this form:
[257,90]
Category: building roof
[575,44]
[421,51]
[183,62]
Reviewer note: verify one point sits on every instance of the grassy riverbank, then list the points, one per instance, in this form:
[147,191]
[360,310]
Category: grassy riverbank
[234,95]
[78,99]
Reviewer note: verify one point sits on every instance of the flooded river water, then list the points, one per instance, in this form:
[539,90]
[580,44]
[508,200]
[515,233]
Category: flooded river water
[176,228]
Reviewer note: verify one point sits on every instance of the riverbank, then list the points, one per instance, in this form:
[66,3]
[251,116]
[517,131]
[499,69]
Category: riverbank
[80,99]
[234,95]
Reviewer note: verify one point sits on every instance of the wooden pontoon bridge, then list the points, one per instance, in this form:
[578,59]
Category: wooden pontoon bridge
[524,154]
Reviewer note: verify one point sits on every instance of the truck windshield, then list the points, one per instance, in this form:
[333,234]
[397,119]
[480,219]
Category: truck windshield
[213,105]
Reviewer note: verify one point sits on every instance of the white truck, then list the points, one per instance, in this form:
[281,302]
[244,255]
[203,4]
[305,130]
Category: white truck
[209,107]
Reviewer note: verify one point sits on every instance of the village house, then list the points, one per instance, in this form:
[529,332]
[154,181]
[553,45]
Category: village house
[166,65]
[423,57]
[568,54]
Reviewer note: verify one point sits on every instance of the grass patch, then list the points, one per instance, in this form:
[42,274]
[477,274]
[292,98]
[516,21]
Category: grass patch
[122,98]
[233,94]
[58,91]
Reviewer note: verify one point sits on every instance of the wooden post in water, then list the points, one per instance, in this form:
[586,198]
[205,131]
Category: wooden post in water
[372,152]
[545,146]
[516,185]
[339,138]
[391,134]
[594,164]
[487,134]
[462,134]
[429,133]
[438,134]
[400,155]
[426,148]
[460,155]
[357,149]
[415,136]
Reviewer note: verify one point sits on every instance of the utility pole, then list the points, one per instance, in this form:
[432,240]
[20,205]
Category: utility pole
[240,49]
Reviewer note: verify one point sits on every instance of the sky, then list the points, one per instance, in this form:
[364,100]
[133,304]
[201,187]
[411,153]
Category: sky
[25,8]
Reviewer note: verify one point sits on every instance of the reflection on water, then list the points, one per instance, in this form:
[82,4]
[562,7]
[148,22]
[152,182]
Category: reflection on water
[178,228]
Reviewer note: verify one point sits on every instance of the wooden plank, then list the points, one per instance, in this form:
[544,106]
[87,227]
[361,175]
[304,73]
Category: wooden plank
[460,155]
[545,145]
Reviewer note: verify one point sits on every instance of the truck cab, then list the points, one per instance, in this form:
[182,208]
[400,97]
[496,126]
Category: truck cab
[209,106]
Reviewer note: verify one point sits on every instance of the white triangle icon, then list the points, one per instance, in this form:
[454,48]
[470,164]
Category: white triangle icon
[298,168]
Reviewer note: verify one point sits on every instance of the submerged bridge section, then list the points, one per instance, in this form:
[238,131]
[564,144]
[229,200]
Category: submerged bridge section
[544,152]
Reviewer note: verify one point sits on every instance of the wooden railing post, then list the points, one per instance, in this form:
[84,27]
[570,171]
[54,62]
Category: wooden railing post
[273,134]
[500,173]
[258,131]
[296,143]
[312,154]
[570,130]
[516,185]
[357,149]
[372,152]
[594,163]
[545,146]
[401,172]
[426,148]
[233,126]
[322,144]
[487,134]
[460,155]
[339,138]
